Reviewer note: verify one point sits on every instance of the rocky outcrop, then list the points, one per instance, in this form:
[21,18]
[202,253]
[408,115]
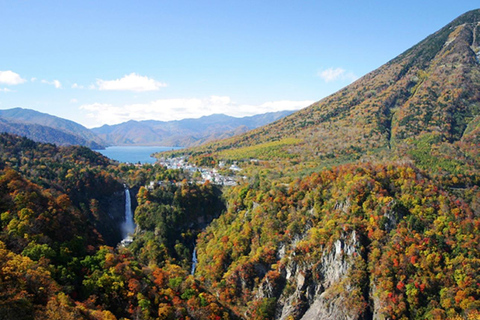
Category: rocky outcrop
[322,290]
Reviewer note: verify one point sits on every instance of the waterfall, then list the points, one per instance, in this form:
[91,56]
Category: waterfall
[194,261]
[128,226]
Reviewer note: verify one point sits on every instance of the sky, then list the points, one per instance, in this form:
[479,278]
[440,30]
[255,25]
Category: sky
[107,62]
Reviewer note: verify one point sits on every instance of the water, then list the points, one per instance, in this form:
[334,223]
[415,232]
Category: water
[134,154]
[128,227]
[194,261]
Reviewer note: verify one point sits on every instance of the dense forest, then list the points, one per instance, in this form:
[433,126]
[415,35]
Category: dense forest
[365,205]
[56,224]
[384,240]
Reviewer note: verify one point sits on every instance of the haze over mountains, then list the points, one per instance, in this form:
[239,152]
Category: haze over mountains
[45,128]
[183,133]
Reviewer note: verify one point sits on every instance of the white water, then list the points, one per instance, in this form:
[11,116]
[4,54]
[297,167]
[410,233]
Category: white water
[194,261]
[128,227]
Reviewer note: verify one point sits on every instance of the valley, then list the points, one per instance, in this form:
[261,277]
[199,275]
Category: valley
[364,205]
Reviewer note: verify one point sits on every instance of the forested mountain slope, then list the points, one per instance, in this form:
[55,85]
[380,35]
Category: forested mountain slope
[432,88]
[386,226]
[46,128]
[365,205]
[58,208]
[355,242]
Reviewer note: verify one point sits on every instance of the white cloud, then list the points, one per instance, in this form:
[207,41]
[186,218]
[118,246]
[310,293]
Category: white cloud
[5,90]
[73,100]
[176,109]
[77,86]
[331,74]
[10,78]
[54,83]
[131,82]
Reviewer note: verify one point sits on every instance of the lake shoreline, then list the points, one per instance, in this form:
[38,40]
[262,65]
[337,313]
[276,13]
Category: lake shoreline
[134,154]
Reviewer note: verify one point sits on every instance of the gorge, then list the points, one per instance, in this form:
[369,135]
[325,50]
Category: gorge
[363,206]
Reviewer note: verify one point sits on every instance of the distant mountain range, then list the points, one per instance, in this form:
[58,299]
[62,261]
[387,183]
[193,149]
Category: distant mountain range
[183,133]
[46,128]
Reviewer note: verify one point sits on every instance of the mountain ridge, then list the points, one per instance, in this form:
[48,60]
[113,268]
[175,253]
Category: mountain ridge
[45,134]
[182,133]
[378,236]
[431,88]
[46,128]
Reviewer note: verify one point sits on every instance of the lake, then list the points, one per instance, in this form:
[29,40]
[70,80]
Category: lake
[133,154]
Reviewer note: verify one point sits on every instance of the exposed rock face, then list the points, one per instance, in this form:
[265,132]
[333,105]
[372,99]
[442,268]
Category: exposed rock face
[328,304]
[322,291]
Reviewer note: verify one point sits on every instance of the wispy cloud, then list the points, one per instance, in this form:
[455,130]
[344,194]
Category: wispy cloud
[5,90]
[77,86]
[10,78]
[176,109]
[54,83]
[336,74]
[131,82]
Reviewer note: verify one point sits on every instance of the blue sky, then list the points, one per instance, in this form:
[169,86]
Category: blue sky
[105,62]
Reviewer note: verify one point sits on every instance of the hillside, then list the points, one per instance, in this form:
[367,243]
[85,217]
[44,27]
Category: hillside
[183,133]
[356,242]
[46,128]
[45,134]
[61,205]
[431,89]
[363,206]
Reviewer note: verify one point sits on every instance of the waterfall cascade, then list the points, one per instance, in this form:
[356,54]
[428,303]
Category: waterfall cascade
[128,226]
[194,261]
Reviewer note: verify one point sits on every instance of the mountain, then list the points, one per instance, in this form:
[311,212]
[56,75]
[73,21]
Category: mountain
[385,225]
[45,134]
[431,89]
[46,128]
[183,133]
[366,204]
